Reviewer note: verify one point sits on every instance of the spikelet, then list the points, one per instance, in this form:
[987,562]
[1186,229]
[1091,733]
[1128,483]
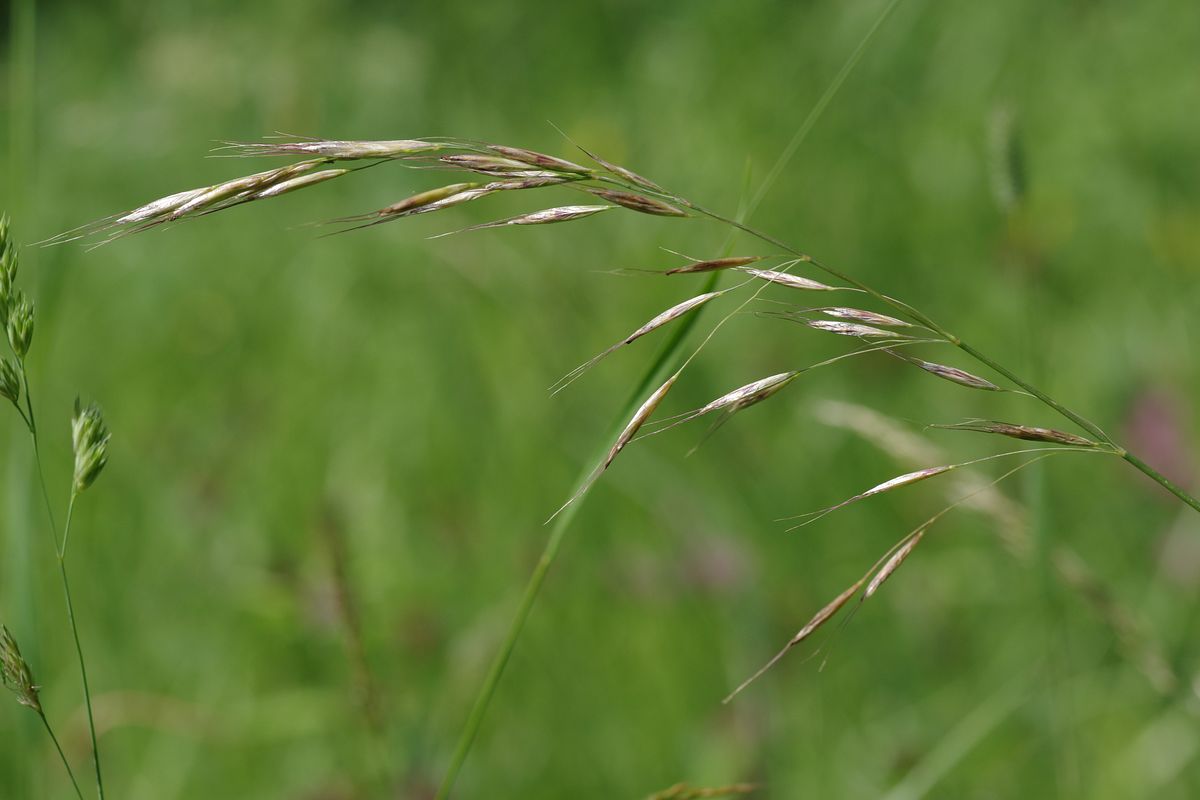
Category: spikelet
[673,313]
[637,202]
[952,374]
[789,280]
[539,159]
[337,149]
[543,217]
[1025,432]
[853,329]
[907,479]
[228,189]
[820,618]
[639,418]
[893,563]
[301,182]
[713,264]
[868,317]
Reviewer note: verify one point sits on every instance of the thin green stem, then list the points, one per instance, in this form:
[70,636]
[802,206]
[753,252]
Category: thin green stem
[562,522]
[87,694]
[60,553]
[1161,479]
[62,756]
[31,423]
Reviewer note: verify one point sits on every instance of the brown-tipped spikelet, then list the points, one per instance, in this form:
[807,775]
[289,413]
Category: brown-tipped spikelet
[713,264]
[644,412]
[893,563]
[1025,432]
[422,200]
[790,280]
[488,165]
[543,217]
[952,374]
[899,481]
[17,676]
[673,313]
[536,159]
[637,202]
[820,618]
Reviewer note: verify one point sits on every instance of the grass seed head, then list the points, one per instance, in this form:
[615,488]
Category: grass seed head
[423,199]
[853,329]
[625,173]
[1025,432]
[539,159]
[89,440]
[893,563]
[952,374]
[160,207]
[339,150]
[300,182]
[15,672]
[20,324]
[486,164]
[789,280]
[637,202]
[544,217]
[751,393]
[257,182]
[644,412]
[869,317]
[10,382]
[713,264]
[673,313]
[820,618]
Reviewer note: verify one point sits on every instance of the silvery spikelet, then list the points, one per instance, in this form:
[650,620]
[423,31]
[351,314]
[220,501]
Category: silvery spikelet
[89,439]
[16,673]
[10,382]
[20,324]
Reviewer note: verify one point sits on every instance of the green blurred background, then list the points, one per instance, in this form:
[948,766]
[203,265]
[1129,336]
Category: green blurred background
[301,421]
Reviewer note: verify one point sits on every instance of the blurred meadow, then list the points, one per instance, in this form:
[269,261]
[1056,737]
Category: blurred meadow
[332,457]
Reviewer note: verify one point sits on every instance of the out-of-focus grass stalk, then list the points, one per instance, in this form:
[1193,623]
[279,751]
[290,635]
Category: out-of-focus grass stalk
[663,365]
[19,574]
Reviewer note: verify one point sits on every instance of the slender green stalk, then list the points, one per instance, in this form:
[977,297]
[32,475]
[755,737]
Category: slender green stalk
[62,756]
[87,694]
[60,552]
[20,579]
[653,376]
